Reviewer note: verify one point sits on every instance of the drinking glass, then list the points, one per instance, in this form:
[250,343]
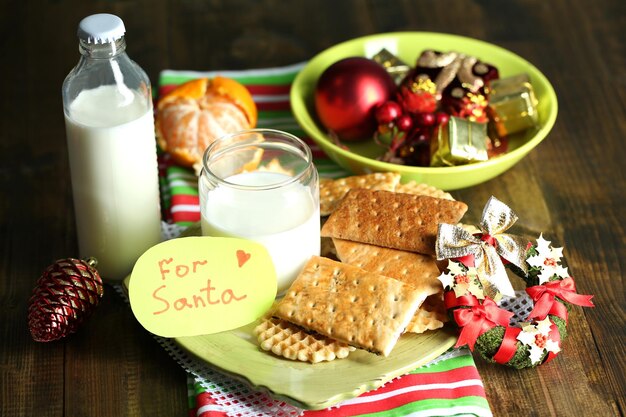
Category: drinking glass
[262,185]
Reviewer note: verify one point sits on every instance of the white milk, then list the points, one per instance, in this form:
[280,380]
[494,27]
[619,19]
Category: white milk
[285,220]
[114,171]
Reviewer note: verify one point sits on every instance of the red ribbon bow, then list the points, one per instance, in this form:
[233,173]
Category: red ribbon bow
[545,302]
[486,237]
[478,319]
[450,300]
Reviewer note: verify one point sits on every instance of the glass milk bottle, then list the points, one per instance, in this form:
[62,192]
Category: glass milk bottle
[112,149]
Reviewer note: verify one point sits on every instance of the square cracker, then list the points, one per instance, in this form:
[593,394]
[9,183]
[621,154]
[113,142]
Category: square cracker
[419,271]
[414,187]
[349,304]
[393,220]
[332,191]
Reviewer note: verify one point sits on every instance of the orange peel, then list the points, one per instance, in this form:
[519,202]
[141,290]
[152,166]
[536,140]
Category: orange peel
[193,115]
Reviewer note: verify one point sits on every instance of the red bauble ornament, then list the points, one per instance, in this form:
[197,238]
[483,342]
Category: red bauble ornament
[425,119]
[387,112]
[404,123]
[347,93]
[63,298]
[442,118]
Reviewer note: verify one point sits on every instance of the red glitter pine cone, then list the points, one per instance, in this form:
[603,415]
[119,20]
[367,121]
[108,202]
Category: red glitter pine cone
[63,298]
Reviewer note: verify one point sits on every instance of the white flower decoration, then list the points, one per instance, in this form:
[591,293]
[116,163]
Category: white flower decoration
[447,280]
[537,336]
[455,268]
[461,281]
[547,260]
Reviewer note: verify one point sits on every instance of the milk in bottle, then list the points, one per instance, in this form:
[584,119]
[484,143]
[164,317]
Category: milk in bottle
[112,149]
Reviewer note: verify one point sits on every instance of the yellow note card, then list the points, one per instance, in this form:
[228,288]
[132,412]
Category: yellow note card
[200,285]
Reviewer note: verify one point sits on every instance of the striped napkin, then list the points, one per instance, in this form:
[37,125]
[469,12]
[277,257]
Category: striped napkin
[448,387]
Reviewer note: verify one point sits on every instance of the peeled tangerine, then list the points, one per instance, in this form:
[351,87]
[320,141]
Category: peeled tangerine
[196,113]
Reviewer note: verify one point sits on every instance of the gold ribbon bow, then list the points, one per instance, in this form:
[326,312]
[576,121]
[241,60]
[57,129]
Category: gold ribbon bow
[489,248]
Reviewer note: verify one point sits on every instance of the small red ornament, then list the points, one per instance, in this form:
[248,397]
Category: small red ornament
[442,118]
[387,112]
[404,123]
[425,119]
[63,298]
[347,93]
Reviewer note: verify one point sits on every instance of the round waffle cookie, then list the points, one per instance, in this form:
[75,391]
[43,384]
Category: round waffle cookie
[292,342]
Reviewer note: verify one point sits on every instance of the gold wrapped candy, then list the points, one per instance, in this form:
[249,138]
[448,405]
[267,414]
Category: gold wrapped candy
[392,64]
[512,105]
[459,142]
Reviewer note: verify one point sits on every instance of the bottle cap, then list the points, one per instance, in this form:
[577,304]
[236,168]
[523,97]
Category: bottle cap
[101,28]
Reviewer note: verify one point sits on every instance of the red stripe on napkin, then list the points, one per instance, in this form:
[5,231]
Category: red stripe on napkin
[256,89]
[164,89]
[185,216]
[207,407]
[273,105]
[185,208]
[186,199]
[453,375]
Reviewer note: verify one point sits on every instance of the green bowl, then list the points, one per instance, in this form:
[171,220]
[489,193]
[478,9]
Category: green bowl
[360,158]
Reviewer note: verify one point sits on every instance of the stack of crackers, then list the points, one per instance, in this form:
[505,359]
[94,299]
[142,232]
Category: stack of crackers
[383,281]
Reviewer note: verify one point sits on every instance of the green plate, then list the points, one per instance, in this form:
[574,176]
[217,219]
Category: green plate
[360,158]
[311,386]
[314,386]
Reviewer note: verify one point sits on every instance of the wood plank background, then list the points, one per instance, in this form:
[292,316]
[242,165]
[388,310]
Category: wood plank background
[572,187]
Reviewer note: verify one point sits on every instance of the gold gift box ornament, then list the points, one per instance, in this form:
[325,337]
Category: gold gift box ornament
[394,66]
[459,142]
[512,105]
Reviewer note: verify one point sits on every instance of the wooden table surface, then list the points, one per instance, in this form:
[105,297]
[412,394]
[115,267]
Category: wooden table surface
[571,187]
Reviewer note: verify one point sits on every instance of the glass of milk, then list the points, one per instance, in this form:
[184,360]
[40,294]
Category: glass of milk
[261,185]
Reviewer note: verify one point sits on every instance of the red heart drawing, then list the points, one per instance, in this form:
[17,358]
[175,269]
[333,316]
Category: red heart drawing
[242,257]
